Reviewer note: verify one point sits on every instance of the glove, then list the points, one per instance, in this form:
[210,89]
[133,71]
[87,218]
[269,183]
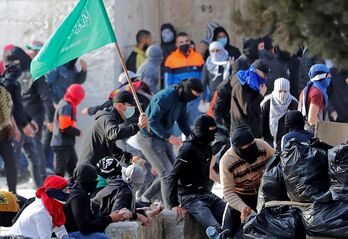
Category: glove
[209,32]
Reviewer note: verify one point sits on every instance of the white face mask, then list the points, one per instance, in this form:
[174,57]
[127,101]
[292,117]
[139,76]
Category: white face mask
[129,112]
[167,35]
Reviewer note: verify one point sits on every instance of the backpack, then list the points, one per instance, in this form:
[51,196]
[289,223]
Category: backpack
[6,106]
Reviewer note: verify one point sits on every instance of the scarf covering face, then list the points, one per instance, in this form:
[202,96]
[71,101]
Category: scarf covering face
[54,208]
[217,59]
[74,95]
[279,104]
[251,78]
[85,178]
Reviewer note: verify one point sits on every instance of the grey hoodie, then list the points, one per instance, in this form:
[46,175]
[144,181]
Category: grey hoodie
[150,69]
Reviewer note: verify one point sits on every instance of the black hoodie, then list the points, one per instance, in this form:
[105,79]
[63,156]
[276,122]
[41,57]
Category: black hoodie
[36,96]
[170,46]
[232,50]
[250,54]
[101,139]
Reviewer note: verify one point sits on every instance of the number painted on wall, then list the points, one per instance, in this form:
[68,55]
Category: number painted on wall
[207,8]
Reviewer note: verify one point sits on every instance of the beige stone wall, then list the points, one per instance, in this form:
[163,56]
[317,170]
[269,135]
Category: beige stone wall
[24,20]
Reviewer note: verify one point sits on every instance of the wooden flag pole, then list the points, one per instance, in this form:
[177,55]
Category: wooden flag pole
[128,78]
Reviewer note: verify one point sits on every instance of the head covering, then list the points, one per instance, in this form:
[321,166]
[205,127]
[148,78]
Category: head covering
[242,136]
[267,40]
[8,202]
[251,78]
[85,178]
[34,45]
[74,95]
[279,104]
[204,129]
[250,48]
[318,75]
[109,168]
[154,54]
[54,208]
[170,40]
[261,65]
[186,86]
[217,60]
[123,78]
[217,31]
[124,97]
[12,53]
[134,175]
[294,120]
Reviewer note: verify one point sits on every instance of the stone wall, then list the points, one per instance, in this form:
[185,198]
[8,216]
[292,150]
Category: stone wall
[24,20]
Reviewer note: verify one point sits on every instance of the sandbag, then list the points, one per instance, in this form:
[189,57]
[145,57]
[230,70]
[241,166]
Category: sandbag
[338,172]
[305,171]
[275,222]
[272,185]
[327,219]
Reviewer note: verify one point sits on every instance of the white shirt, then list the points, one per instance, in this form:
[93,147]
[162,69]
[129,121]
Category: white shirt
[35,222]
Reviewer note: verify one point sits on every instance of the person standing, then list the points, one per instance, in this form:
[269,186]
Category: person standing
[248,89]
[216,69]
[314,98]
[150,69]
[138,57]
[274,108]
[65,131]
[241,170]
[101,139]
[166,107]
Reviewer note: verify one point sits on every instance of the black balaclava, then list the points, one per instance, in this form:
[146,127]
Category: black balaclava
[12,71]
[57,193]
[250,48]
[243,136]
[294,120]
[85,177]
[109,168]
[17,53]
[185,89]
[204,129]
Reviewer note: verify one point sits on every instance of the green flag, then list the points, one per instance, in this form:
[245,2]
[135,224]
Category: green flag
[86,28]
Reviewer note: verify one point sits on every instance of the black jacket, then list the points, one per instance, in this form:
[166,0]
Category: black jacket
[101,139]
[14,88]
[245,107]
[223,104]
[191,169]
[277,69]
[36,96]
[79,216]
[265,109]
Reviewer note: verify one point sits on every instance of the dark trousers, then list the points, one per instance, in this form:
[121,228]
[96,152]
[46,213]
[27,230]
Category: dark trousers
[65,159]
[232,216]
[32,154]
[207,209]
[7,152]
[46,144]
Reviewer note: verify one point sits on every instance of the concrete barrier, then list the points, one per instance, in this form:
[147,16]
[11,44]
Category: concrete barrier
[165,226]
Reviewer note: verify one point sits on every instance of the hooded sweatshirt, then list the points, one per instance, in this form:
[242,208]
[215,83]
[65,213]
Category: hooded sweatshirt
[168,47]
[150,69]
[65,131]
[250,54]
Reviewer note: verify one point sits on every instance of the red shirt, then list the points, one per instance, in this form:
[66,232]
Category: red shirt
[315,96]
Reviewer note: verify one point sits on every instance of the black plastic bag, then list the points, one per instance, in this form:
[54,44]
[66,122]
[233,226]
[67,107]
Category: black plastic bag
[305,171]
[327,219]
[275,222]
[272,185]
[338,172]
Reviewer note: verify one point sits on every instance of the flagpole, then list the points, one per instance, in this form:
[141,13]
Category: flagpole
[128,78]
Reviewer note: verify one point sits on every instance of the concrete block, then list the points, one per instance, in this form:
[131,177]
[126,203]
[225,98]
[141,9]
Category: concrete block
[123,230]
[331,132]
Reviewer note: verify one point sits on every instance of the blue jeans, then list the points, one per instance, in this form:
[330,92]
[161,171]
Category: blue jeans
[95,235]
[207,208]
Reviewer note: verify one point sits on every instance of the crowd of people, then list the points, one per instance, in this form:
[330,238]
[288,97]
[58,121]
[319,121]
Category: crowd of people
[135,162]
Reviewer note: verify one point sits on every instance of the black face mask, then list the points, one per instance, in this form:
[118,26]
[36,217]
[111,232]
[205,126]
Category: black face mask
[89,186]
[184,48]
[145,47]
[249,154]
[57,194]
[13,71]
[205,137]
[186,94]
